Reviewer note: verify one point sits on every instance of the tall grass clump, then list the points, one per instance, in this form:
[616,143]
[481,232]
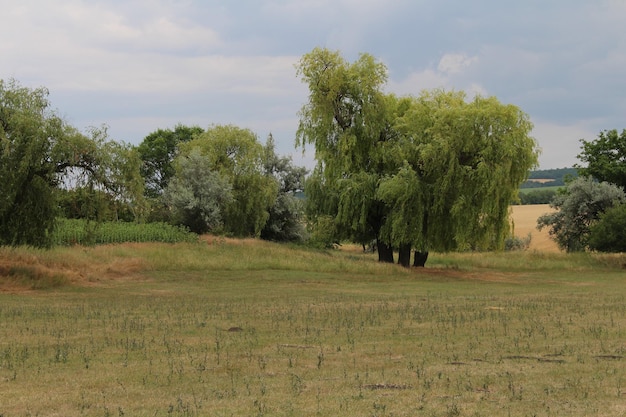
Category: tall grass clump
[81,232]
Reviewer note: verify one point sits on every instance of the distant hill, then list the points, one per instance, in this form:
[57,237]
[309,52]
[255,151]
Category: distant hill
[549,177]
[542,185]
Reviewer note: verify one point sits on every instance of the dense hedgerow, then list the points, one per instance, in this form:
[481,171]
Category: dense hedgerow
[80,232]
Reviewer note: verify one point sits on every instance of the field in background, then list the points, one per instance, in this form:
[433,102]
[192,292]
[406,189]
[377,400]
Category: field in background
[525,221]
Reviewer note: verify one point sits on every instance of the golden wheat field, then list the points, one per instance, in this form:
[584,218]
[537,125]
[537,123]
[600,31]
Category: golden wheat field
[525,221]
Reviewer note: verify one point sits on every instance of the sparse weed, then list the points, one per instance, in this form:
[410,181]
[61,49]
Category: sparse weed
[251,328]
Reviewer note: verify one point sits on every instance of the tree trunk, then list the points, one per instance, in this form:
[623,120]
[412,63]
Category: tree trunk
[385,252]
[420,258]
[404,255]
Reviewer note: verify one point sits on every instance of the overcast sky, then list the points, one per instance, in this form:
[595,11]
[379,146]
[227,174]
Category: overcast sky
[138,66]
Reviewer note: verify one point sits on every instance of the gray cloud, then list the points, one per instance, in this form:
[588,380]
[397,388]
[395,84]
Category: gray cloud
[147,64]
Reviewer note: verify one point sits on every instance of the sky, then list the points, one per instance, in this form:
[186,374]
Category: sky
[141,65]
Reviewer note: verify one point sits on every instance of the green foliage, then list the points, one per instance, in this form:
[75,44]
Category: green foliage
[578,207]
[83,232]
[237,155]
[157,152]
[605,157]
[514,243]
[537,196]
[470,158]
[557,174]
[323,233]
[39,153]
[28,133]
[286,216]
[198,195]
[88,203]
[428,172]
[609,233]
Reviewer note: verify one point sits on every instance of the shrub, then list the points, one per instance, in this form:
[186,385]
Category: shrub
[579,206]
[514,243]
[609,233]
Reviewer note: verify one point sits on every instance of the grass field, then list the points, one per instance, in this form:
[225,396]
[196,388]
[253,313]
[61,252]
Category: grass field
[551,188]
[248,328]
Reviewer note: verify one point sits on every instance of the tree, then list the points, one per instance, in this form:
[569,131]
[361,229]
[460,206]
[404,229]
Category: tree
[157,152]
[430,173]
[605,157]
[344,120]
[577,209]
[285,221]
[198,195]
[237,155]
[609,233]
[39,152]
[463,164]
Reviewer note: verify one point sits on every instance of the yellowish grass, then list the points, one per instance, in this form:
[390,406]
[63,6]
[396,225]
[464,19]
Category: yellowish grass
[541,180]
[525,221]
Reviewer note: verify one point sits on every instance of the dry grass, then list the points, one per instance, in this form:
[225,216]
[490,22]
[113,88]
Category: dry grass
[245,327]
[25,269]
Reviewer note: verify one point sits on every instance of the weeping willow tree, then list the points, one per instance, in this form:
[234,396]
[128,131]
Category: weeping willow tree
[40,153]
[464,162]
[434,172]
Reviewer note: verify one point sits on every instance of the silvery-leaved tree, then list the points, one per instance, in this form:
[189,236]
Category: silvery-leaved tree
[577,209]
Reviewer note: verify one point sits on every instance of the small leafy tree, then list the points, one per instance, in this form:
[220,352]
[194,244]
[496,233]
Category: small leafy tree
[609,233]
[237,155]
[198,195]
[157,152]
[285,221]
[579,207]
[605,157]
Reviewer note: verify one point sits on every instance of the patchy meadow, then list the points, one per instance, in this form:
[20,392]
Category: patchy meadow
[242,327]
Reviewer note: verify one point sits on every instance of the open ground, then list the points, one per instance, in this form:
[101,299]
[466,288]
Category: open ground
[249,328]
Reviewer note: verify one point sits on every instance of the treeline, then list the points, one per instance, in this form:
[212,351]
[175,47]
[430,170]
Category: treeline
[554,174]
[556,177]
[219,180]
[543,185]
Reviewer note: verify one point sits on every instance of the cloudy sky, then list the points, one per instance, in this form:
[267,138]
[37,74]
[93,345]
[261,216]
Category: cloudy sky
[140,65]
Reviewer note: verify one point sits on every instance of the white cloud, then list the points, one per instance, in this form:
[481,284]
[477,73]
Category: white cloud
[455,63]
[143,64]
[448,75]
[560,144]
[418,81]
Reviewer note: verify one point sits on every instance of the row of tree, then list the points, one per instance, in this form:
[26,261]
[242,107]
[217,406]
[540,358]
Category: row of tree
[411,173]
[220,180]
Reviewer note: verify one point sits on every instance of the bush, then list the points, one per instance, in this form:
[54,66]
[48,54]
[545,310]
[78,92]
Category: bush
[579,207]
[609,233]
[537,196]
[514,243]
[323,232]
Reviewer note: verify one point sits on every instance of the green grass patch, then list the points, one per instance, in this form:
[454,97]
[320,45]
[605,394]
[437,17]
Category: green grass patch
[230,328]
[554,188]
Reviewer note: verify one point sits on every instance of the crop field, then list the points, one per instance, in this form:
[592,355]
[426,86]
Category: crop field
[247,328]
[525,222]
